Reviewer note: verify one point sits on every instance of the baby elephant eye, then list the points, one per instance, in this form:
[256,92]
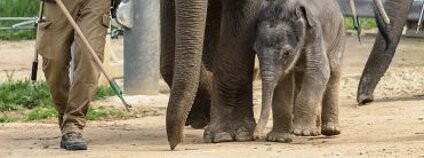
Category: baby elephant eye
[286,51]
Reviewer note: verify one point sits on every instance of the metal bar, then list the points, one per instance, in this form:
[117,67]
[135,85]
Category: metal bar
[18,25]
[365,8]
[142,49]
[19,28]
[17,18]
[420,20]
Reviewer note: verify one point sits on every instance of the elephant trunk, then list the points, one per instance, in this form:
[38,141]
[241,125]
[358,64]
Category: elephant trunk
[380,57]
[190,28]
[268,86]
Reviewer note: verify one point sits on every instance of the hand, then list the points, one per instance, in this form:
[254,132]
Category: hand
[49,1]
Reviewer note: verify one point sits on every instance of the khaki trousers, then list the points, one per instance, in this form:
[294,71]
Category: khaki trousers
[71,97]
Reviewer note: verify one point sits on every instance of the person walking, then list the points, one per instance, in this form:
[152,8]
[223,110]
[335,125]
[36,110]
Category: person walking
[72,96]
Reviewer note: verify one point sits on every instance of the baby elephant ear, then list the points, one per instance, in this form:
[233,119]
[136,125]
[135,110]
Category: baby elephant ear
[303,12]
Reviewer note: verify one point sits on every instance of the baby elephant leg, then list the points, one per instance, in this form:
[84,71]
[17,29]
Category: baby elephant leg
[308,100]
[330,103]
[330,106]
[282,107]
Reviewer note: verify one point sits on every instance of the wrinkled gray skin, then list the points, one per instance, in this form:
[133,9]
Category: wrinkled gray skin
[207,59]
[382,53]
[300,45]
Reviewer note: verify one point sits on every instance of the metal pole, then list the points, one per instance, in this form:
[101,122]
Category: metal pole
[141,49]
[17,18]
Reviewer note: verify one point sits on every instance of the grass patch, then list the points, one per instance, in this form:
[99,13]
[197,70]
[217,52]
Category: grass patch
[366,23]
[17,8]
[41,112]
[104,113]
[103,92]
[33,101]
[6,119]
[15,95]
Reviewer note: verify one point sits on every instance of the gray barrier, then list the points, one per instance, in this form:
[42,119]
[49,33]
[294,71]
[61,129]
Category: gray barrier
[365,8]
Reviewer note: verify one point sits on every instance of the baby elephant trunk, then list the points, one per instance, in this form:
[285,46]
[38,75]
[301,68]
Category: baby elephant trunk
[268,86]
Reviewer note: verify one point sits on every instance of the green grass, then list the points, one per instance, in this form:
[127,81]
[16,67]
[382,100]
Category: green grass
[103,92]
[104,113]
[33,101]
[366,23]
[15,95]
[17,8]
[41,112]
[5,119]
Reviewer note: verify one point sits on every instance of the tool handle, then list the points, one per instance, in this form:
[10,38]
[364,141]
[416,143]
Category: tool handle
[83,38]
[34,71]
[92,52]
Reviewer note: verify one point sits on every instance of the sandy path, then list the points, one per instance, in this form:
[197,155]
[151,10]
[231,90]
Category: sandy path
[391,127]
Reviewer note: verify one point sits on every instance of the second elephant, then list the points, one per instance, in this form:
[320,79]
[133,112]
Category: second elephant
[300,44]
[207,59]
[382,53]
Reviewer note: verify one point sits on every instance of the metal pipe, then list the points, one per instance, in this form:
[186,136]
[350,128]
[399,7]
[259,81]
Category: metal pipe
[18,28]
[420,20]
[17,18]
[142,49]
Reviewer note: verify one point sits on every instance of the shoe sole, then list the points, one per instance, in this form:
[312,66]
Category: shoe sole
[73,146]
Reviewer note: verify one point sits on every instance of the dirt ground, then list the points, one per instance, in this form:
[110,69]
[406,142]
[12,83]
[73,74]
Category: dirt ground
[393,126]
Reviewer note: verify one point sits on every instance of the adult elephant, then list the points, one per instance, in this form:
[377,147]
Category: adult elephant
[382,53]
[219,87]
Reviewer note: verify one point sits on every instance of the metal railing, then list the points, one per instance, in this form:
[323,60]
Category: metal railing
[23,23]
[365,8]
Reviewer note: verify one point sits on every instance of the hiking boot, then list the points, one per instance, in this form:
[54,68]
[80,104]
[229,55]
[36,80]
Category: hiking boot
[73,141]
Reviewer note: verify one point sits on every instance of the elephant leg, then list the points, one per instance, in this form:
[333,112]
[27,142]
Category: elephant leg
[382,53]
[282,110]
[232,108]
[199,115]
[330,106]
[308,100]
[330,103]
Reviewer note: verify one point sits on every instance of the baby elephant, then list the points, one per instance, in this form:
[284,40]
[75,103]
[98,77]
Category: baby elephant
[300,46]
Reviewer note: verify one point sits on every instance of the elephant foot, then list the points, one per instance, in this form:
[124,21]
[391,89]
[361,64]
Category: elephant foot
[197,120]
[330,129]
[305,128]
[364,99]
[199,115]
[241,133]
[281,137]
